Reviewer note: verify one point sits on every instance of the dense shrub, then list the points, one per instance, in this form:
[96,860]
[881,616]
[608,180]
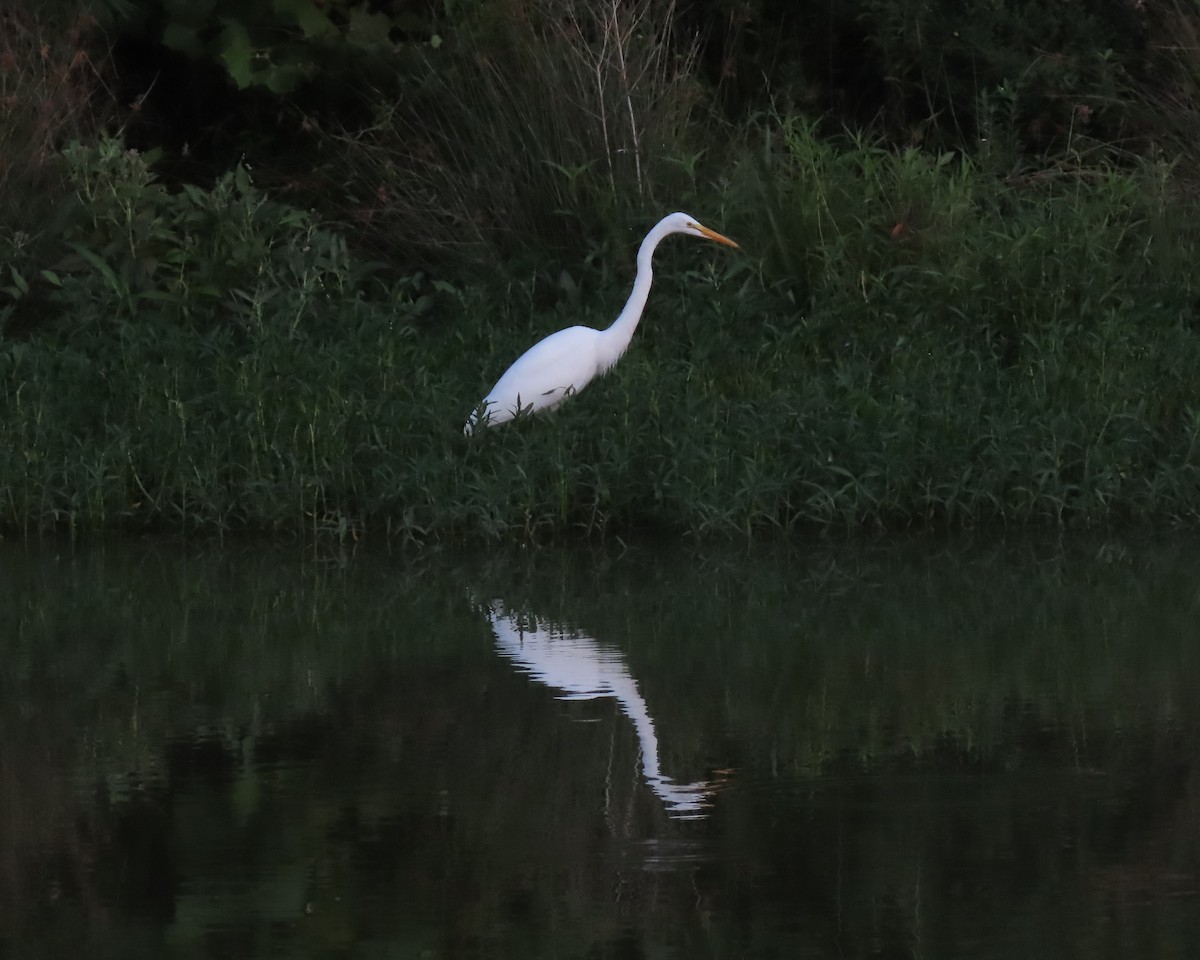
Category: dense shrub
[124,245]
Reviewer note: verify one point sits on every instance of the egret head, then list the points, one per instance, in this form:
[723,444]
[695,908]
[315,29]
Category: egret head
[686,223]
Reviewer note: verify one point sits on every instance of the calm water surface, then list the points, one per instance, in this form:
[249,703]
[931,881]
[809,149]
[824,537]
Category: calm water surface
[911,749]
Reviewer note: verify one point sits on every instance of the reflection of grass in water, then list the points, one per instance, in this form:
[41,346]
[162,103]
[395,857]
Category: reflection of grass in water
[867,661]
[116,647]
[898,653]
[875,653]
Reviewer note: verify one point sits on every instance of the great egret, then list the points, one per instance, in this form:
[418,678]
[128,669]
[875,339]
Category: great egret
[565,362]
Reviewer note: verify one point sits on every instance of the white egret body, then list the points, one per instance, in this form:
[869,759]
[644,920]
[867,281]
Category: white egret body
[567,361]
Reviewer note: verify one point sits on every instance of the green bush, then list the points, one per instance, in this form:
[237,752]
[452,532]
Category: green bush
[121,245]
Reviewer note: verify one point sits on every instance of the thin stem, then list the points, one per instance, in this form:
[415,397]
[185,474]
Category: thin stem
[633,130]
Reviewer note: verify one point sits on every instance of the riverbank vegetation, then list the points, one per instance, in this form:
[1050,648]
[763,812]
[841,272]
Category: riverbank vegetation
[966,293]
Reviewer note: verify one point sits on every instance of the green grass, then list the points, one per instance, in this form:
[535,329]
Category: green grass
[1022,351]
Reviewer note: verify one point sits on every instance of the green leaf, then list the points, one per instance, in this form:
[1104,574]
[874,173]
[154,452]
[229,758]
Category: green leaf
[51,277]
[19,280]
[237,52]
[313,21]
[100,267]
[283,78]
[241,179]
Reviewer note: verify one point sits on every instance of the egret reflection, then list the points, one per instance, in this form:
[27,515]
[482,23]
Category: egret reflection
[585,669]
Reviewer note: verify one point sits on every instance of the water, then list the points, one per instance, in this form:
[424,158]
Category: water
[909,749]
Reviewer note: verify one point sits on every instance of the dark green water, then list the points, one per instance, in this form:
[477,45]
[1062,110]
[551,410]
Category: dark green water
[911,749]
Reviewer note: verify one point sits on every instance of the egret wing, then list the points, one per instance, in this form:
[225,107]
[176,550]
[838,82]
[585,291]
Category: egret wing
[552,369]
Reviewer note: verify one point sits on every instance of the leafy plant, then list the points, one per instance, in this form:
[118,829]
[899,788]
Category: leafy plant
[125,244]
[276,44]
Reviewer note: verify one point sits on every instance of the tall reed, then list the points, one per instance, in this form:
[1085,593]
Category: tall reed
[538,128]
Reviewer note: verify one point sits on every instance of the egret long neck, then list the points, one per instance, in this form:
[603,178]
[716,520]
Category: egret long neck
[616,338]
